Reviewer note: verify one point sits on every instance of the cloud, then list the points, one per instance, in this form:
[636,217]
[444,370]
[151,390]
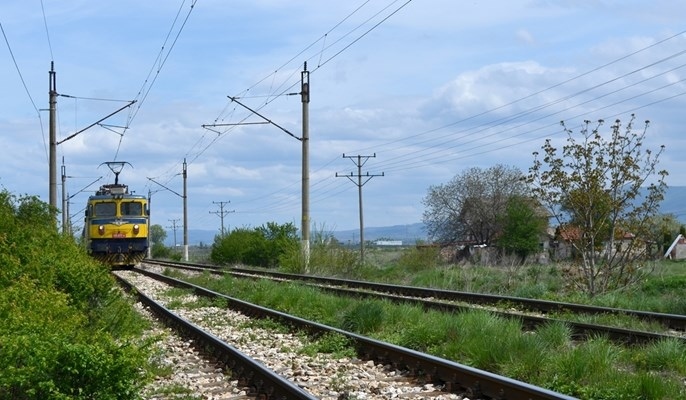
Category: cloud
[525,36]
[435,88]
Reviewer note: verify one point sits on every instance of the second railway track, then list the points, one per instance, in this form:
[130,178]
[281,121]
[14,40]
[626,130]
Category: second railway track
[382,379]
[530,311]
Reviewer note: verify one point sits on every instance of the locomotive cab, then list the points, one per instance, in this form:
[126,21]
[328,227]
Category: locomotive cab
[116,225]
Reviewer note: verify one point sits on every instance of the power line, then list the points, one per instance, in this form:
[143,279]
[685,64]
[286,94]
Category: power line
[421,159]
[474,150]
[26,89]
[159,62]
[289,87]
[47,32]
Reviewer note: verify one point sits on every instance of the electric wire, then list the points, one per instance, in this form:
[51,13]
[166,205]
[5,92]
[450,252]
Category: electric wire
[26,89]
[476,131]
[157,66]
[326,185]
[550,126]
[280,90]
[47,31]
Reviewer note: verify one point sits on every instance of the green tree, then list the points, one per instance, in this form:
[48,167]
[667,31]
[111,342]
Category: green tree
[157,234]
[523,227]
[157,237]
[663,229]
[596,185]
[472,205]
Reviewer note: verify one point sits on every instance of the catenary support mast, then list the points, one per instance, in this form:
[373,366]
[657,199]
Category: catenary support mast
[305,224]
[53,136]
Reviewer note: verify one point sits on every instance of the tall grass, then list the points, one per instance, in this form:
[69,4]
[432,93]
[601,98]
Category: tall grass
[547,357]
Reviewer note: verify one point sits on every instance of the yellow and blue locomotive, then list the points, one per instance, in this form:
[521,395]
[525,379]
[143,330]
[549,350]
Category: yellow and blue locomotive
[116,224]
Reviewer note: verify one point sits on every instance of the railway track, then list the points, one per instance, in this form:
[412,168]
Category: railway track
[531,312]
[383,367]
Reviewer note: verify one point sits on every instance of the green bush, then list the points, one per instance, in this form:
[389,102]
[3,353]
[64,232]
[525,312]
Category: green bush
[159,250]
[65,333]
[262,246]
[242,245]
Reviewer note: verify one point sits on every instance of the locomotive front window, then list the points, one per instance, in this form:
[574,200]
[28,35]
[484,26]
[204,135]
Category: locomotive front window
[107,209]
[131,209]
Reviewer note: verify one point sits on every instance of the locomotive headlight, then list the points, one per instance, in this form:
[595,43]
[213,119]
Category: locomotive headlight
[136,229]
[101,229]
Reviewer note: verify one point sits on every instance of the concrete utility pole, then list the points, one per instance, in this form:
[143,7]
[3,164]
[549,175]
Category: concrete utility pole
[221,213]
[65,211]
[184,196]
[149,224]
[53,136]
[185,211]
[361,160]
[305,139]
[305,224]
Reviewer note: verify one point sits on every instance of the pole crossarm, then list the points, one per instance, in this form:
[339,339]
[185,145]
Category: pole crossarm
[180,195]
[263,117]
[361,161]
[86,187]
[207,126]
[96,122]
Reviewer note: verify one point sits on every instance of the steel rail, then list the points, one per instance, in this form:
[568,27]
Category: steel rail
[673,321]
[454,376]
[416,295]
[263,382]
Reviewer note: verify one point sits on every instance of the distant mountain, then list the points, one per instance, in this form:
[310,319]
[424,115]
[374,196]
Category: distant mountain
[674,203]
[408,234]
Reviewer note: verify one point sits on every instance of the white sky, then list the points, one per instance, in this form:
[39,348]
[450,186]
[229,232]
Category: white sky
[431,87]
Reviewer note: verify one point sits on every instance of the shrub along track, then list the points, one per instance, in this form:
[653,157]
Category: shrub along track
[530,311]
[424,370]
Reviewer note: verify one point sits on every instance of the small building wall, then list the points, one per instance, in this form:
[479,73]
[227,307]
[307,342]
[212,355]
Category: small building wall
[677,251]
[680,251]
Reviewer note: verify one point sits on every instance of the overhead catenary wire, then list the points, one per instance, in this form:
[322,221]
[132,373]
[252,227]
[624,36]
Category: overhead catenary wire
[479,149]
[26,89]
[156,67]
[47,31]
[286,89]
[598,68]
[411,138]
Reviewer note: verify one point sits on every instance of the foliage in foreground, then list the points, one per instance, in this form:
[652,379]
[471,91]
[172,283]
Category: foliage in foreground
[65,333]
